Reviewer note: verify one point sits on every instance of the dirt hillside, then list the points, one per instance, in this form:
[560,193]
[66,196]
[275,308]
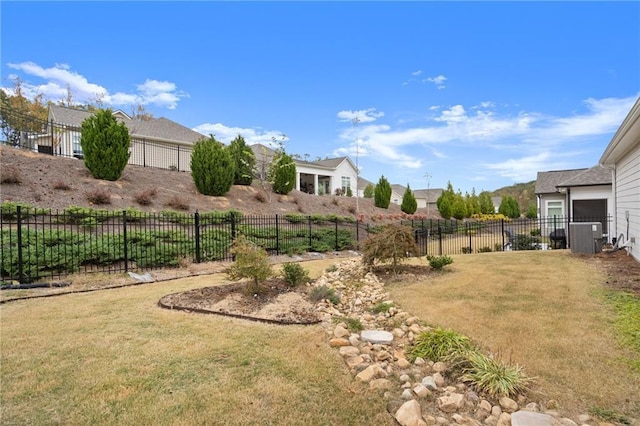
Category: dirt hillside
[54,182]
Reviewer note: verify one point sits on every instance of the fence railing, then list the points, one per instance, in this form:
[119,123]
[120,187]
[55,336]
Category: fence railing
[37,244]
[63,140]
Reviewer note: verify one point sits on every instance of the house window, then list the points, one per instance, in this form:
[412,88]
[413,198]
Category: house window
[77,148]
[346,183]
[555,208]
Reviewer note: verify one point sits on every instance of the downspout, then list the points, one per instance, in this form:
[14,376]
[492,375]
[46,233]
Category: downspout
[569,216]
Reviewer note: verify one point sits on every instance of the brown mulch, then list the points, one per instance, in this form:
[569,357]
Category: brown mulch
[622,270]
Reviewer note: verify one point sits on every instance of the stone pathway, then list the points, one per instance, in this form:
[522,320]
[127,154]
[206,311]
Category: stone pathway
[419,393]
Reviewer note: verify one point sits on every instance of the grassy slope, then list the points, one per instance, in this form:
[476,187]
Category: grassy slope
[114,357]
[557,326]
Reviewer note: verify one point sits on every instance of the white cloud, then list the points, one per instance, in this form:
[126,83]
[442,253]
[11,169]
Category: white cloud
[416,73]
[363,115]
[60,77]
[532,138]
[226,134]
[438,81]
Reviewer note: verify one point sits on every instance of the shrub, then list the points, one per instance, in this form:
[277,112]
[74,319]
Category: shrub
[244,161]
[145,198]
[532,212]
[178,202]
[394,244]
[212,167]
[493,377]
[294,274]
[251,261]
[382,193]
[331,268]
[60,185]
[466,250]
[484,249]
[353,324]
[525,242]
[105,145]
[382,307]
[441,344]
[283,173]
[323,292]
[349,192]
[99,196]
[535,232]
[11,175]
[439,262]
[409,203]
[368,191]
[9,210]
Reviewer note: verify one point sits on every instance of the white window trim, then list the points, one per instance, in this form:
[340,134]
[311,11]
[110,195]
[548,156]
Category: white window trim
[546,207]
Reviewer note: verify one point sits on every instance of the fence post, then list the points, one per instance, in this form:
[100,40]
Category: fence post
[466,225]
[440,237]
[233,227]
[144,152]
[357,234]
[502,232]
[277,236]
[196,223]
[124,235]
[336,245]
[20,271]
[178,158]
[310,241]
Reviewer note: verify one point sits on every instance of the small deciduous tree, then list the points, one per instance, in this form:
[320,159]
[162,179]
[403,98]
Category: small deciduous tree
[532,212]
[212,168]
[349,192]
[105,145]
[459,207]
[251,261]
[369,190]
[382,193]
[283,173]
[409,204]
[394,244]
[244,161]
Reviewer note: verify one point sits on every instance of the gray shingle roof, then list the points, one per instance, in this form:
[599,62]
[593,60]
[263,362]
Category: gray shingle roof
[157,128]
[546,182]
[433,194]
[596,175]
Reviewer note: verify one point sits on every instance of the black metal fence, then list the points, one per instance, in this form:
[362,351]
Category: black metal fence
[37,244]
[445,237]
[63,140]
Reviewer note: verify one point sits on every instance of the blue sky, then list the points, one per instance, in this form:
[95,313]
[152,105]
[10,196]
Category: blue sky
[480,94]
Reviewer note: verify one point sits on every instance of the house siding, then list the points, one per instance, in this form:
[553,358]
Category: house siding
[344,169]
[628,197]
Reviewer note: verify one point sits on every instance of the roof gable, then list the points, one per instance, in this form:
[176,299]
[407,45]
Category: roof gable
[594,176]
[546,182]
[157,128]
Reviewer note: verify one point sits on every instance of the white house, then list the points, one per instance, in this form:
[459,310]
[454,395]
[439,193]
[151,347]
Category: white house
[158,142]
[329,176]
[622,157]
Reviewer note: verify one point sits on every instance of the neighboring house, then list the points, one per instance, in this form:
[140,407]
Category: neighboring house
[158,142]
[622,157]
[320,177]
[362,184]
[424,197]
[578,195]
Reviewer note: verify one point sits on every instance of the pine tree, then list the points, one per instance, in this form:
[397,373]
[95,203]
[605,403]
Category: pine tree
[105,145]
[382,193]
[212,167]
[486,203]
[509,207]
[409,203]
[445,201]
[459,208]
[244,161]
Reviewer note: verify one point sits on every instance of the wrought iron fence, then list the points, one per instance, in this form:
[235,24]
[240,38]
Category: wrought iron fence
[39,243]
[63,140]
[445,237]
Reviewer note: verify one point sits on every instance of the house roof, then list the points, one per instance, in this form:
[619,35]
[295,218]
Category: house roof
[594,176]
[260,151]
[362,183]
[627,138]
[157,128]
[431,194]
[547,182]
